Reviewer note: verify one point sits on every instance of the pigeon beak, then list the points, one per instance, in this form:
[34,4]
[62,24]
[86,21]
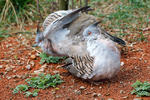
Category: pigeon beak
[38,31]
[38,28]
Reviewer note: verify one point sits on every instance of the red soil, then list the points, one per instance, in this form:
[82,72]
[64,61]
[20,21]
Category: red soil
[15,54]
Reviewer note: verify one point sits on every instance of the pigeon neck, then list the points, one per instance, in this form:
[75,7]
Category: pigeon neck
[92,37]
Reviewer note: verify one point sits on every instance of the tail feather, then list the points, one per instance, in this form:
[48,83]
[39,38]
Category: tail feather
[119,41]
[114,38]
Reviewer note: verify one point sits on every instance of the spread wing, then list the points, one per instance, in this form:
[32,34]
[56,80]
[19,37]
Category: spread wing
[54,16]
[60,23]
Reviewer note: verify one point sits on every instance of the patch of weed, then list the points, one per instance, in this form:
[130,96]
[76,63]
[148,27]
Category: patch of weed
[44,81]
[3,34]
[141,89]
[142,37]
[34,93]
[50,59]
[20,88]
[40,82]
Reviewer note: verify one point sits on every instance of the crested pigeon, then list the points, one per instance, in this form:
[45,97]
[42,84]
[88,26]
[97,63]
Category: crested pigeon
[67,35]
[102,60]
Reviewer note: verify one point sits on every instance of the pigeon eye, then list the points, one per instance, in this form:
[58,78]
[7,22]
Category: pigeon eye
[89,33]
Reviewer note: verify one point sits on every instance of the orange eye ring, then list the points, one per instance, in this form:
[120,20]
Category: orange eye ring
[89,33]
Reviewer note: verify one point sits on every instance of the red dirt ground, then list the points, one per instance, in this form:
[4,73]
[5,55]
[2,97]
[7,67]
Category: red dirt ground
[16,52]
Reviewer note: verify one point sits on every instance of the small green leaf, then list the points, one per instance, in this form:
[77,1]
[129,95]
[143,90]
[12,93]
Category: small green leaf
[20,88]
[50,59]
[141,89]
[28,93]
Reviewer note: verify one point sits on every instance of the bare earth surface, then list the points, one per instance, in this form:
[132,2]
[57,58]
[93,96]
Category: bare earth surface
[16,53]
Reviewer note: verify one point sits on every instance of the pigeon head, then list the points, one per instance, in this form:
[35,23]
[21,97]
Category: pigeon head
[39,37]
[45,44]
[91,30]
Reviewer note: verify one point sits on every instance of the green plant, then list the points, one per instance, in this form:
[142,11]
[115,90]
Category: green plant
[24,11]
[34,93]
[142,37]
[18,11]
[3,34]
[50,59]
[20,88]
[44,81]
[141,89]
[40,82]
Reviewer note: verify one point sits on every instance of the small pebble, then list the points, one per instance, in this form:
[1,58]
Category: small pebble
[71,86]
[121,82]
[145,61]
[14,76]
[19,76]
[1,66]
[44,66]
[12,66]
[110,99]
[87,93]
[102,99]
[63,87]
[14,71]
[8,69]
[125,97]
[5,73]
[8,77]
[148,67]
[24,76]
[121,91]
[37,54]
[137,99]
[33,57]
[94,94]
[32,63]
[78,92]
[122,63]
[82,87]
[107,94]
[58,96]
[39,71]
[55,72]
[99,94]
[53,92]
[28,67]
